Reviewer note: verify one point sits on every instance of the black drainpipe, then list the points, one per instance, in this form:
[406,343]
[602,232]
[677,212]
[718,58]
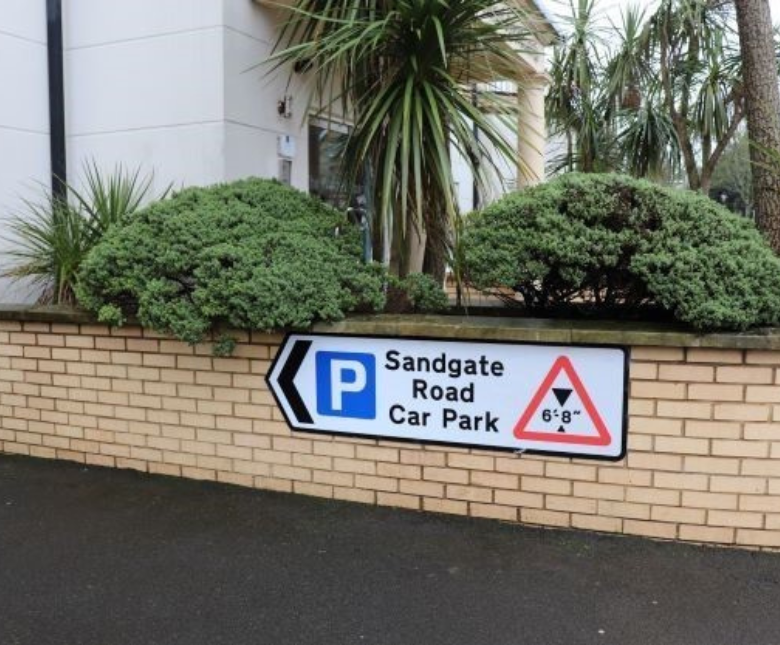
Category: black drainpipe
[59,174]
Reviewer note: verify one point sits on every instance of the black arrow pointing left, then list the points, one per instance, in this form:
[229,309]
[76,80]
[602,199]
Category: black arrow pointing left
[287,377]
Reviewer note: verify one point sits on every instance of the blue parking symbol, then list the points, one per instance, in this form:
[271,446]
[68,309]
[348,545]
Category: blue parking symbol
[346,385]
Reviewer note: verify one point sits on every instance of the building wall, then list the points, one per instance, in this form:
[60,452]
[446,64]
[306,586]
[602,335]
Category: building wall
[143,87]
[703,440]
[24,112]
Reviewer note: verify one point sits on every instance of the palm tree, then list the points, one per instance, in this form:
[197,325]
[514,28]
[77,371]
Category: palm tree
[575,102]
[403,72]
[757,45]
[670,90]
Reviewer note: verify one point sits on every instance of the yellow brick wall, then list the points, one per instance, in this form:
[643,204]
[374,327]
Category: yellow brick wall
[703,450]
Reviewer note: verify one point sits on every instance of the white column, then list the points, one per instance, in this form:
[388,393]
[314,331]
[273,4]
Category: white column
[531,132]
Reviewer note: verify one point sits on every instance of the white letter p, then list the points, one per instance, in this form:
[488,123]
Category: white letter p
[338,368]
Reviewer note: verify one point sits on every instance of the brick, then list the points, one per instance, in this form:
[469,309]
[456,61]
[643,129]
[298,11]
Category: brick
[446,475]
[400,471]
[354,466]
[762,357]
[546,518]
[726,484]
[744,375]
[681,481]
[696,355]
[740,519]
[278,485]
[626,510]
[641,408]
[333,479]
[684,409]
[657,530]
[519,466]
[570,504]
[449,506]
[762,394]
[762,431]
[334,449]
[681,445]
[282,471]
[657,390]
[624,476]
[650,461]
[760,503]
[657,354]
[422,488]
[717,501]
[293,444]
[712,429]
[398,501]
[495,480]
[715,392]
[596,523]
[599,491]
[687,373]
[423,458]
[678,515]
[520,499]
[375,453]
[743,448]
[476,462]
[542,485]
[742,412]
[372,482]
[493,512]
[570,471]
[712,465]
[643,371]
[758,538]
[761,467]
[354,495]
[707,534]
[313,490]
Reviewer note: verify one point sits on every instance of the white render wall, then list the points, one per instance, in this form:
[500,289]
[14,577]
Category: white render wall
[169,85]
[24,112]
[143,87]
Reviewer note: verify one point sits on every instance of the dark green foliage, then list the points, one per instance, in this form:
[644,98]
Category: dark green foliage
[416,293]
[248,255]
[620,243]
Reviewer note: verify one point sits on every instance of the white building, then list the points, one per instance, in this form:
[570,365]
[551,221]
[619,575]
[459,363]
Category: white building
[171,86]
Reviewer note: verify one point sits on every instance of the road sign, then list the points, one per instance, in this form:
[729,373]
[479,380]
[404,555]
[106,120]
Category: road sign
[566,400]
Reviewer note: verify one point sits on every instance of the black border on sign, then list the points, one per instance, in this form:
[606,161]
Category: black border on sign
[452,444]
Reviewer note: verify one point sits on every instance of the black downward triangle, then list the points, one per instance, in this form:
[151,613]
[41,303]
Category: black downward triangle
[562,395]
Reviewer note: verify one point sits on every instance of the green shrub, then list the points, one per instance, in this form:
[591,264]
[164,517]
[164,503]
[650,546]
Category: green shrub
[620,243]
[253,254]
[416,293]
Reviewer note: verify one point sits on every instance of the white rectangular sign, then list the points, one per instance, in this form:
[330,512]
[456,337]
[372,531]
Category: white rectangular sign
[567,400]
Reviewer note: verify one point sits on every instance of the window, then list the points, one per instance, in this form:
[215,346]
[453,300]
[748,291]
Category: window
[327,143]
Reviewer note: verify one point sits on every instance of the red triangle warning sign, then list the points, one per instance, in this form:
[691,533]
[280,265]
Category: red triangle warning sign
[562,411]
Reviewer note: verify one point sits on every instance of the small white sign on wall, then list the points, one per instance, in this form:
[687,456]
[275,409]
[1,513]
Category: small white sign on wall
[549,399]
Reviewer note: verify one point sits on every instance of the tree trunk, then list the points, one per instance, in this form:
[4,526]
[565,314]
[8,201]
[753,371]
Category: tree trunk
[762,103]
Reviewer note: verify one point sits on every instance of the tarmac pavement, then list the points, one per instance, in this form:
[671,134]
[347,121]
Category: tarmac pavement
[103,557]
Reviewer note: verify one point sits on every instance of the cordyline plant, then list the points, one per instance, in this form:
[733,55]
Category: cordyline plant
[52,235]
[405,73]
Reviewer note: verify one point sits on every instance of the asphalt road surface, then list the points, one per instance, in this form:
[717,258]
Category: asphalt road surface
[93,556]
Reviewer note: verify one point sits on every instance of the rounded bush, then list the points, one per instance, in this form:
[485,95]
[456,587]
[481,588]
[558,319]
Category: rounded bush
[619,244]
[253,254]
